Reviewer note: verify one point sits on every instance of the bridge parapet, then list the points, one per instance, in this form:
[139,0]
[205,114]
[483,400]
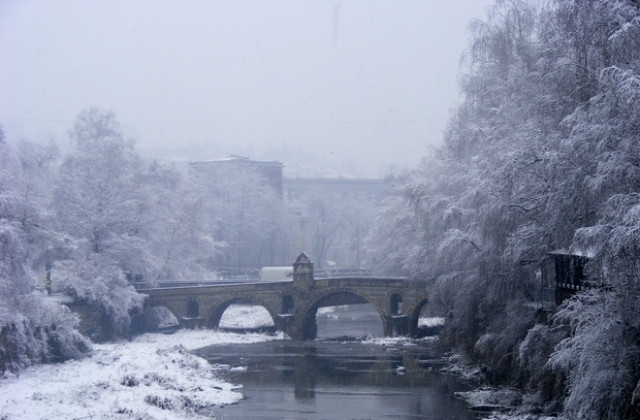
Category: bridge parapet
[364,281]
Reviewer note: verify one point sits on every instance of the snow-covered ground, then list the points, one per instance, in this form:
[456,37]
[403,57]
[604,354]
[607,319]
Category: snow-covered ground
[502,404]
[152,377]
[502,416]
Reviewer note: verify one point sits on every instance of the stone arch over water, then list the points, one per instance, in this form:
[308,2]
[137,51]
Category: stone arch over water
[309,327]
[215,314]
[414,316]
[157,317]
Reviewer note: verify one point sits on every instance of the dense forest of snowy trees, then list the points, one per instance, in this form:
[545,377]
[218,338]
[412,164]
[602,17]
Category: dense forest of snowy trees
[96,219]
[543,153]
[93,221]
[32,329]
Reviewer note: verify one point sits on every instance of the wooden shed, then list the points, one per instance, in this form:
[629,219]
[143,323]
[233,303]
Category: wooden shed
[569,273]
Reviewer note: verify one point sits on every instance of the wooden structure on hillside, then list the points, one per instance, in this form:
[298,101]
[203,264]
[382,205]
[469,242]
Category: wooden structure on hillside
[569,274]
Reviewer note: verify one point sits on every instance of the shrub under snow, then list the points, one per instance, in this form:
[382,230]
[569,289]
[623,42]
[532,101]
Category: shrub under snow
[152,377]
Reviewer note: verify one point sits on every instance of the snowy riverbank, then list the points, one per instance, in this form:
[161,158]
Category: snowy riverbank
[156,377]
[152,377]
[502,404]
[492,403]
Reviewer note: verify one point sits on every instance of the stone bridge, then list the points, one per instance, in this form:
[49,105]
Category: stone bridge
[293,304]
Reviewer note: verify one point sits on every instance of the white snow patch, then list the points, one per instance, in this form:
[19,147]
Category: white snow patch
[245,316]
[161,317]
[430,322]
[502,404]
[461,367]
[500,416]
[491,398]
[152,377]
[389,341]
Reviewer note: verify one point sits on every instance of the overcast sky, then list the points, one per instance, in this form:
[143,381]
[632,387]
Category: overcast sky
[363,85]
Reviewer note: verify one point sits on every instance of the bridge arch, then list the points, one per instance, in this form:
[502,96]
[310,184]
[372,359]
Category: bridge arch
[414,315]
[193,308]
[395,304]
[309,328]
[288,304]
[215,314]
[158,316]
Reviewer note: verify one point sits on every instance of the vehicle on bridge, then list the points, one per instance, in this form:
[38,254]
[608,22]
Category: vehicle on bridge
[276,273]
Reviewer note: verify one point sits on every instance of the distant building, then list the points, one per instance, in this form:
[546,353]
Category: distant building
[271,171]
[334,238]
[369,189]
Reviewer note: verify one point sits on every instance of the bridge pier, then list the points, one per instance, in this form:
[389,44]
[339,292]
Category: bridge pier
[284,322]
[396,325]
[192,323]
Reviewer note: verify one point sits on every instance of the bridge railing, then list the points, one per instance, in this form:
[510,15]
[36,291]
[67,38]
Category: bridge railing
[345,275]
[176,284]
[341,272]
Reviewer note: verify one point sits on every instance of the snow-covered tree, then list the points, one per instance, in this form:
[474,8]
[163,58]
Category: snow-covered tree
[541,154]
[245,215]
[32,328]
[101,207]
[178,227]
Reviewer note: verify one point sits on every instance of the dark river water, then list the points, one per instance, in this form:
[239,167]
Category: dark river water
[339,375]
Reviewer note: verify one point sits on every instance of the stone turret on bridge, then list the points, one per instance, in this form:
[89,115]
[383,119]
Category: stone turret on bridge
[303,272]
[293,304]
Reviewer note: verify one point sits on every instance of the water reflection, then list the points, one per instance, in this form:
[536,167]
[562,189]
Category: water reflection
[329,379]
[360,320]
[304,377]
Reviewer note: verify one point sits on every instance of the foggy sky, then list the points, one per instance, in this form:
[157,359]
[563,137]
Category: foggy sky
[359,85]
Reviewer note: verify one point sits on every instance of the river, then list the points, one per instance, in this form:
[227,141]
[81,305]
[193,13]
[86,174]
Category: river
[340,375]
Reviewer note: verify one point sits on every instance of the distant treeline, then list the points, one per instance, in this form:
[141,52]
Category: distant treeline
[98,219]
